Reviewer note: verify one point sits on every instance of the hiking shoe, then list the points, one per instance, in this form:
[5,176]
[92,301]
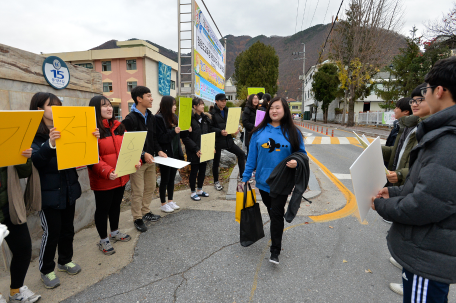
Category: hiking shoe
[24,295]
[218,186]
[50,280]
[106,247]
[195,197]
[274,258]
[71,268]
[151,217]
[120,237]
[397,288]
[173,205]
[394,262]
[139,224]
[166,208]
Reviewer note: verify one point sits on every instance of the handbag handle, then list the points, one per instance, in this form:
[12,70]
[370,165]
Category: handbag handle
[245,193]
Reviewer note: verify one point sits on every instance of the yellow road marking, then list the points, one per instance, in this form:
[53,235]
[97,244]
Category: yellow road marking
[317,140]
[353,140]
[334,140]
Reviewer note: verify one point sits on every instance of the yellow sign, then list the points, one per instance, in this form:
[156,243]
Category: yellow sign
[77,146]
[185,113]
[232,122]
[205,70]
[255,90]
[207,147]
[130,153]
[17,130]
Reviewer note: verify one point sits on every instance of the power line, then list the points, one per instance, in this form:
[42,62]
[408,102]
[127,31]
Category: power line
[303,14]
[310,24]
[211,18]
[297,11]
[334,22]
[326,12]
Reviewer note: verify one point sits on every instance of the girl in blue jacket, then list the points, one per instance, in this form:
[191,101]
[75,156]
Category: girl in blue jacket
[273,140]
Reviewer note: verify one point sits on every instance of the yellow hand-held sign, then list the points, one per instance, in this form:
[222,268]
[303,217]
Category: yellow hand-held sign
[207,147]
[232,122]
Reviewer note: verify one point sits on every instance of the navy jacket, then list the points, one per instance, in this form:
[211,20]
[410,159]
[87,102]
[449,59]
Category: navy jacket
[57,187]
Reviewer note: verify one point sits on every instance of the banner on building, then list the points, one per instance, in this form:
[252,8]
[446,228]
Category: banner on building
[164,79]
[209,59]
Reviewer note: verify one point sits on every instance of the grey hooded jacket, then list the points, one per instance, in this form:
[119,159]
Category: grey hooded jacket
[423,235]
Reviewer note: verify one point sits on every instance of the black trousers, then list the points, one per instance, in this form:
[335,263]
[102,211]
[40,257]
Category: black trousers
[276,211]
[58,230]
[167,182]
[108,207]
[20,245]
[234,150]
[197,170]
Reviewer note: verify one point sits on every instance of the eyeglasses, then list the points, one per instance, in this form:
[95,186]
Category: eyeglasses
[416,101]
[424,89]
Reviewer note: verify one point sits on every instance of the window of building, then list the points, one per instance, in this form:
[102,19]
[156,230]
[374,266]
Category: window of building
[86,65]
[229,97]
[106,66]
[173,84]
[131,64]
[107,87]
[131,85]
[116,112]
[294,107]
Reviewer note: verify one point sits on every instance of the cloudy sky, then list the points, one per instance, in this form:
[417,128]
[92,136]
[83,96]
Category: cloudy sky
[58,26]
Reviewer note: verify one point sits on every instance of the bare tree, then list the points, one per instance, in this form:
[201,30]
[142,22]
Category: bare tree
[365,39]
[443,27]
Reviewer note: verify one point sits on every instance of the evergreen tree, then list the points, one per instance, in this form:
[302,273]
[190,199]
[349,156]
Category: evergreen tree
[325,86]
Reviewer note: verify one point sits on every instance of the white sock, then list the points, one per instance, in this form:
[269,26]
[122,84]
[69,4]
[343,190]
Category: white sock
[199,192]
[114,233]
[193,194]
[105,240]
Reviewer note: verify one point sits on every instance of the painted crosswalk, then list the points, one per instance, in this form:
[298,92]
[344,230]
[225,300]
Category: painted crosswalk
[336,140]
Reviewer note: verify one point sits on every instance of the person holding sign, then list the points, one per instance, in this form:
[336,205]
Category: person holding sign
[59,192]
[422,238]
[143,182]
[18,239]
[168,134]
[200,124]
[107,187]
[272,141]
[248,117]
[223,140]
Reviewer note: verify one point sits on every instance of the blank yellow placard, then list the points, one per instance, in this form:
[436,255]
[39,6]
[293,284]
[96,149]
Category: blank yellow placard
[255,90]
[17,130]
[207,147]
[232,122]
[130,153]
[77,146]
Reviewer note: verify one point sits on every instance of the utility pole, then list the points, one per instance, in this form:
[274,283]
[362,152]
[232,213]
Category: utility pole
[302,77]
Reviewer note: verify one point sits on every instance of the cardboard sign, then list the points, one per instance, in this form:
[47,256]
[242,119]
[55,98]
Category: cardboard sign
[255,90]
[368,176]
[17,130]
[232,122]
[185,113]
[171,162]
[207,147]
[259,117]
[130,153]
[77,146]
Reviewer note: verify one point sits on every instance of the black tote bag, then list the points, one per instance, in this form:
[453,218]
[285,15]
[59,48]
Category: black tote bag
[251,226]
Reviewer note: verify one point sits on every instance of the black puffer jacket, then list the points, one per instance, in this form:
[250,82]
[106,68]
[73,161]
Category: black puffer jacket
[248,121]
[218,124]
[423,235]
[56,186]
[192,140]
[166,136]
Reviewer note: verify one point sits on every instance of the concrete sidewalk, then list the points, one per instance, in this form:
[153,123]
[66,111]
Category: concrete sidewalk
[372,131]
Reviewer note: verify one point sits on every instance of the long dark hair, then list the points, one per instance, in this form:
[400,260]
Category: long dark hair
[98,102]
[289,130]
[250,102]
[166,109]
[266,99]
[38,101]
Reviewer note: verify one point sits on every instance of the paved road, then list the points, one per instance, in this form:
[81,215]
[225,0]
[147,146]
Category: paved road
[195,256]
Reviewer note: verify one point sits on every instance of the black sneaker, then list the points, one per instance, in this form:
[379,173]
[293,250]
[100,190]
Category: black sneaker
[139,224]
[151,217]
[274,258]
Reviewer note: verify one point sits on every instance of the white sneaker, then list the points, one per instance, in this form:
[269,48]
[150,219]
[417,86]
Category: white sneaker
[394,262]
[166,208]
[2,300]
[397,288]
[173,205]
[24,295]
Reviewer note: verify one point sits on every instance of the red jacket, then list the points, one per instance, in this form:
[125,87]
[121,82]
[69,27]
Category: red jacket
[108,150]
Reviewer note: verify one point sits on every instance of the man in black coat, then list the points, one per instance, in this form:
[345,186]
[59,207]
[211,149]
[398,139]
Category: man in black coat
[222,139]
[422,238]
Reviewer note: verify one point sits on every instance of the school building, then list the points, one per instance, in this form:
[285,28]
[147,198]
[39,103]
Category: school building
[125,65]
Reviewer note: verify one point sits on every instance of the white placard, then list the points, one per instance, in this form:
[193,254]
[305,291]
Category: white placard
[170,162]
[368,176]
